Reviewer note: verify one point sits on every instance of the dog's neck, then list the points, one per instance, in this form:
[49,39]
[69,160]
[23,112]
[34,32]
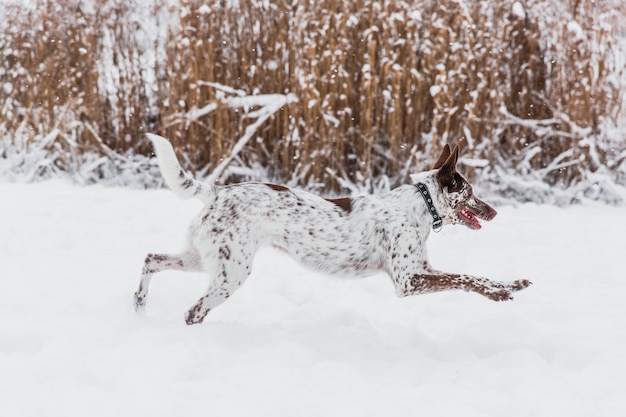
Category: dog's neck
[430,206]
[428,181]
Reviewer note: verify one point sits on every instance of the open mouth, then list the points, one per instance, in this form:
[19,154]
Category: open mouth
[470,218]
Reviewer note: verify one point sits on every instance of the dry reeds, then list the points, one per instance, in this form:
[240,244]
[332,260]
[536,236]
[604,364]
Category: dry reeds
[379,86]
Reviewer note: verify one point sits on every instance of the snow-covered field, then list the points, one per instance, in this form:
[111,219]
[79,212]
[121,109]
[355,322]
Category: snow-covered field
[295,343]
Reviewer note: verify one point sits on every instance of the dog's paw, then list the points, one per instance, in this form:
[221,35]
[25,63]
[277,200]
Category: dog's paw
[139,302]
[500,295]
[519,284]
[504,293]
[191,317]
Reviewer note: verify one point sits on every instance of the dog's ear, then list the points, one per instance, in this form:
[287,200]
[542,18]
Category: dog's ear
[455,155]
[446,172]
[445,154]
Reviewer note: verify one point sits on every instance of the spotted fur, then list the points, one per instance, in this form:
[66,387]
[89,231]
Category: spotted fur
[349,236]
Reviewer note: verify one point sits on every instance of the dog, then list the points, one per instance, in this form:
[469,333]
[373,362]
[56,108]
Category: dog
[350,236]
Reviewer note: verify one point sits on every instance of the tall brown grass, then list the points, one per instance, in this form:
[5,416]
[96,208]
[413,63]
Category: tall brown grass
[380,85]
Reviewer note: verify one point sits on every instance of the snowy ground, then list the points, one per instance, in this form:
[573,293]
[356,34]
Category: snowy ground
[296,343]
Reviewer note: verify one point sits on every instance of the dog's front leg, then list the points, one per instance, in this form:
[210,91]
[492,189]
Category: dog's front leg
[435,281]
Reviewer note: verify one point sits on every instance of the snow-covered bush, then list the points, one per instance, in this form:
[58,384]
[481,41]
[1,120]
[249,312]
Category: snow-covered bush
[73,97]
[326,94]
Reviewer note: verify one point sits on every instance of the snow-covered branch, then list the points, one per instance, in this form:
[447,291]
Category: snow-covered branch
[268,105]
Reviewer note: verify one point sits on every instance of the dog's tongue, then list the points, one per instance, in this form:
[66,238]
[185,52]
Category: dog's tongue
[470,218]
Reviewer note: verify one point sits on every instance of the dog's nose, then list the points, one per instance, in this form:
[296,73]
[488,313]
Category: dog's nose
[486,211]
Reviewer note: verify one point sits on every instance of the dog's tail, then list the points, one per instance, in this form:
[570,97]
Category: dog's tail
[179,181]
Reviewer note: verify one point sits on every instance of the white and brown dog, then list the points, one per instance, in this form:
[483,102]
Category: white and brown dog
[353,236]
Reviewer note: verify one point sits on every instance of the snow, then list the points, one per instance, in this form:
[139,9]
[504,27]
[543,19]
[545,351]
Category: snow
[204,9]
[518,10]
[435,89]
[575,29]
[294,342]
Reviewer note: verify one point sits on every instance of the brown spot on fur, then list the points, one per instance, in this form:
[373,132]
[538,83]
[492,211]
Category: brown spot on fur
[277,187]
[187,183]
[432,282]
[344,203]
[156,257]
[224,252]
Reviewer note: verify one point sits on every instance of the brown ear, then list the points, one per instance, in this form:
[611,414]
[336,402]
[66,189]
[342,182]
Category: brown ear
[448,168]
[445,154]
[455,155]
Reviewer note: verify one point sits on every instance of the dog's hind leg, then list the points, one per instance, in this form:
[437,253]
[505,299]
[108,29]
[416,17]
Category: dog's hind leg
[230,275]
[186,261]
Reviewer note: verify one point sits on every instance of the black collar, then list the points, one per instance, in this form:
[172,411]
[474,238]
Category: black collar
[437,220]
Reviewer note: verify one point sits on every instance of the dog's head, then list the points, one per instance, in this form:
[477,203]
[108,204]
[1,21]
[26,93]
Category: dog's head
[459,203]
